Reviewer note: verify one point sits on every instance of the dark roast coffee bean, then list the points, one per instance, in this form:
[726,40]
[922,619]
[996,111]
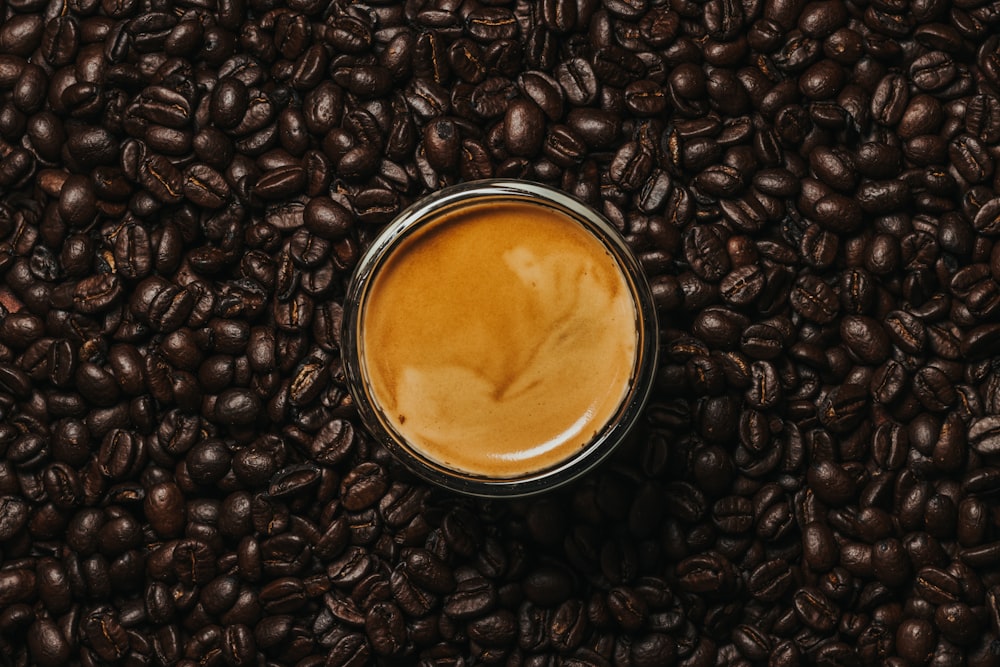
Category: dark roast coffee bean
[524,127]
[472,597]
[933,71]
[970,158]
[865,338]
[164,507]
[15,515]
[815,300]
[578,81]
[832,483]
[815,609]
[205,187]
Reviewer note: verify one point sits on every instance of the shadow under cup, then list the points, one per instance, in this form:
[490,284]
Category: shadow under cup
[499,338]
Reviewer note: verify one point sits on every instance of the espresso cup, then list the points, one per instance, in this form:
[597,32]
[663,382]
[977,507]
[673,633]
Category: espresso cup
[499,338]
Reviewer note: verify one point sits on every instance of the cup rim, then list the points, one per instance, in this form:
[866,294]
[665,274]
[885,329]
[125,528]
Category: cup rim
[612,433]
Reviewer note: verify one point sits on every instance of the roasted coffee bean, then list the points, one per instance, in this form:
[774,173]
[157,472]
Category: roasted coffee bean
[77,201]
[831,482]
[47,645]
[598,129]
[429,572]
[326,218]
[205,187]
[645,98]
[164,507]
[207,462]
[815,300]
[363,486]
[524,126]
[984,435]
[546,586]
[710,573]
[865,338]
[121,454]
[770,580]
[568,625]
[819,547]
[385,628]
[472,597]
[933,71]
[915,640]
[889,100]
[497,629]
[970,158]
[578,81]
[563,146]
[843,408]
[815,609]
[15,516]
[105,634]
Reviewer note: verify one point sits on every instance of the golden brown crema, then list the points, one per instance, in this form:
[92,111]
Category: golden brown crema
[497,339]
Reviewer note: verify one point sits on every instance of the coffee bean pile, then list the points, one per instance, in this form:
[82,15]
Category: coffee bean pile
[810,185]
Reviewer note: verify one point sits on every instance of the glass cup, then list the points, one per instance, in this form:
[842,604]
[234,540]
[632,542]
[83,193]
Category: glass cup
[499,338]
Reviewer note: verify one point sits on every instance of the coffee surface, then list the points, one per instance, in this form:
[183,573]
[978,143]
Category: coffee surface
[499,338]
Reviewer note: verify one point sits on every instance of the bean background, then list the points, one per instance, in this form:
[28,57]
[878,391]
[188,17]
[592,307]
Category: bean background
[186,185]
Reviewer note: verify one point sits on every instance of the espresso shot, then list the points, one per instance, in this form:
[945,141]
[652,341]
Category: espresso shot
[499,336]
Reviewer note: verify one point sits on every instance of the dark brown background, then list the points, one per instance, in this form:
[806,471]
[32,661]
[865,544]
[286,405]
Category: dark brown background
[186,185]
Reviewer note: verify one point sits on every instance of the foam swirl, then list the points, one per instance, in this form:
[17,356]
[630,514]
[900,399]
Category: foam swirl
[500,338]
